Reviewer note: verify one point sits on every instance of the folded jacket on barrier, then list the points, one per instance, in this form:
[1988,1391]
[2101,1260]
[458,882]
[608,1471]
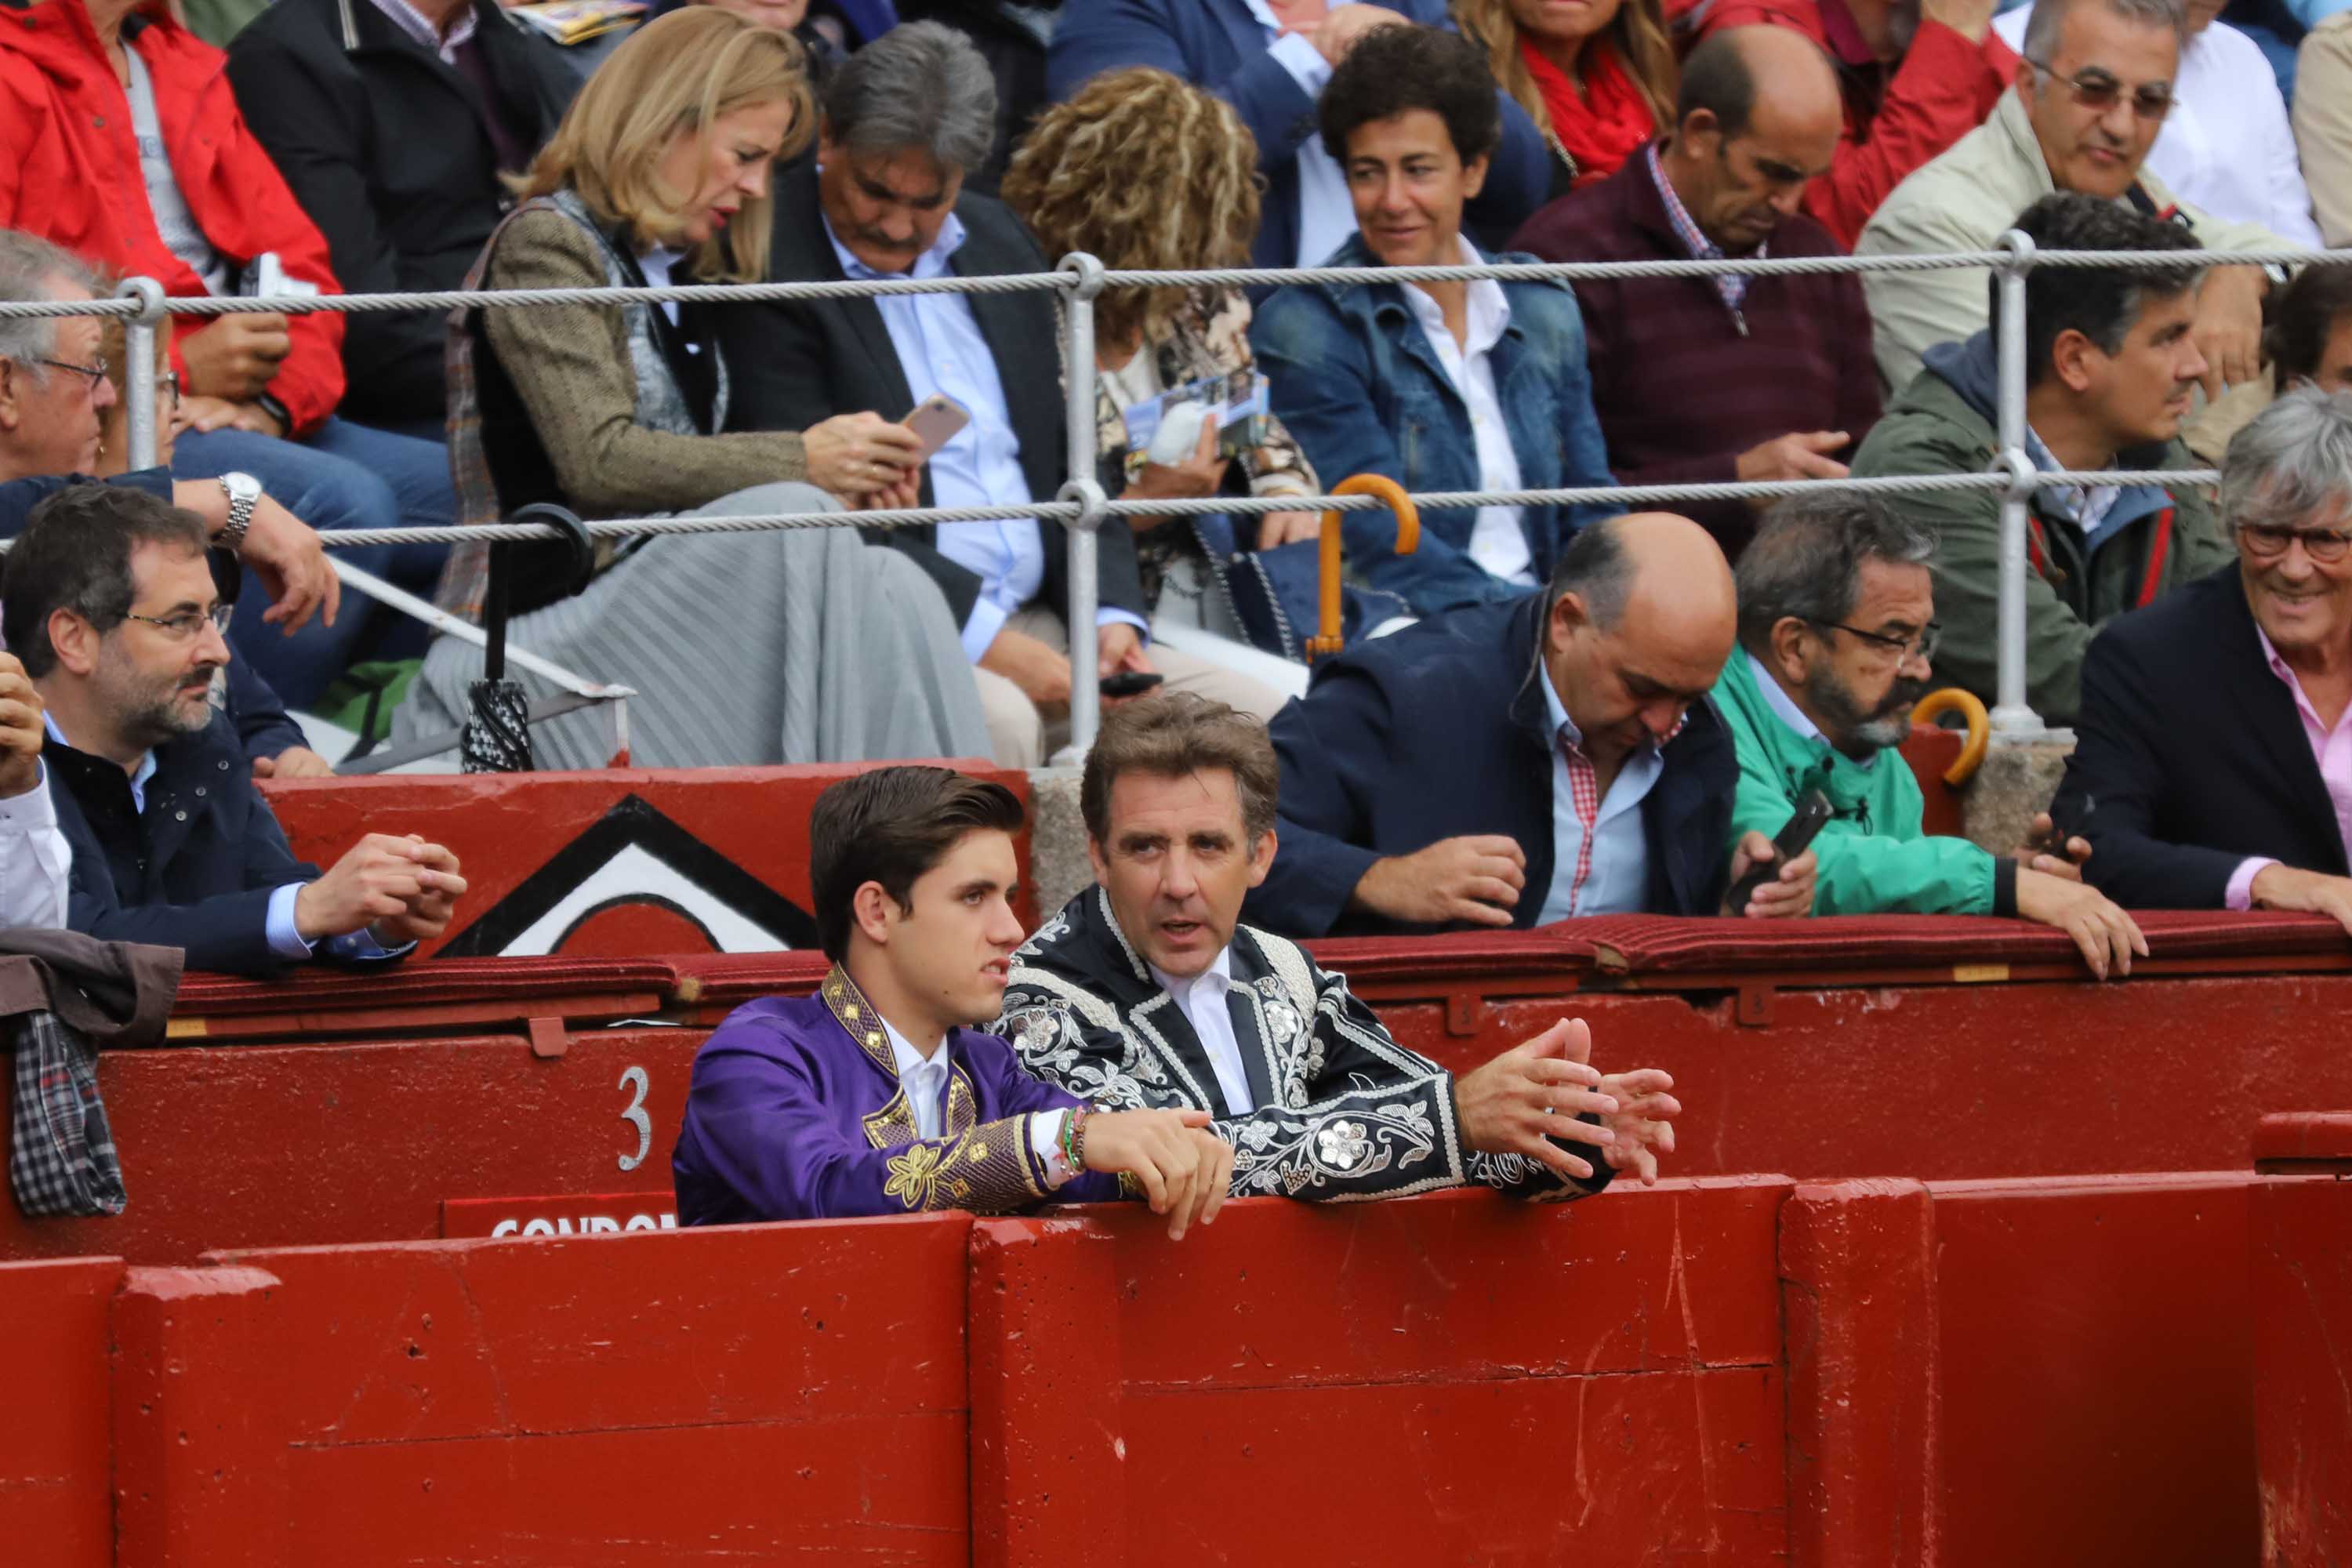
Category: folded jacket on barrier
[62,995]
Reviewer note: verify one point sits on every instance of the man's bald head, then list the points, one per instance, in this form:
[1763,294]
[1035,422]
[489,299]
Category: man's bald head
[1758,117]
[1640,615]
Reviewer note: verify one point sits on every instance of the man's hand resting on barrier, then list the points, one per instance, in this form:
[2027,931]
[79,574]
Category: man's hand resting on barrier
[1477,879]
[1531,1094]
[2107,936]
[401,889]
[1184,1169]
[2280,887]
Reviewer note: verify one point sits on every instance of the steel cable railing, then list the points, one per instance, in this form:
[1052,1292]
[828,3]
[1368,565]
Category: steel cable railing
[1081,506]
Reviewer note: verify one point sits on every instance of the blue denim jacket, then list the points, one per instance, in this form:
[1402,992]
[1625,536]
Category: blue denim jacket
[1355,382]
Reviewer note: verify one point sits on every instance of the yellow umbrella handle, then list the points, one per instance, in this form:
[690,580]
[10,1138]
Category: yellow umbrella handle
[1952,699]
[1408,540]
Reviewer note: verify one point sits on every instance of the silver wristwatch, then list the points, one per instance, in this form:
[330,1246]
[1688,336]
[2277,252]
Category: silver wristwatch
[243,495]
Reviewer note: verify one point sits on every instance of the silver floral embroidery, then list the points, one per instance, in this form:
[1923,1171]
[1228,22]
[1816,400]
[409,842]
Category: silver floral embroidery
[1342,1145]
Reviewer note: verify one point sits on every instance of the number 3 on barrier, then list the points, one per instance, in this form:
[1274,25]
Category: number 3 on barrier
[636,1116]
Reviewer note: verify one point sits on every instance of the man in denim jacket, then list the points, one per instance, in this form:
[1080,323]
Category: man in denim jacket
[1441,386]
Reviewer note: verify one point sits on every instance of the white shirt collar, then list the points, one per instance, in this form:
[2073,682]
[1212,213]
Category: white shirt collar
[1562,724]
[410,21]
[1218,977]
[932,263]
[1485,313]
[1780,702]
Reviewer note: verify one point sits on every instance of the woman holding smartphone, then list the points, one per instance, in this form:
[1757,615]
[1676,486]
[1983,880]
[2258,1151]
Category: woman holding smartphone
[793,645]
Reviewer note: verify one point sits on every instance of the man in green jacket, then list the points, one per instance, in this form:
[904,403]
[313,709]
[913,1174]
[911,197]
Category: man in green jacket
[1836,625]
[2110,368]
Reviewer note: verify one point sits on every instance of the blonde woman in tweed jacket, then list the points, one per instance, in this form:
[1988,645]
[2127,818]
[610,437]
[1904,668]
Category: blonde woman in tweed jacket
[792,646]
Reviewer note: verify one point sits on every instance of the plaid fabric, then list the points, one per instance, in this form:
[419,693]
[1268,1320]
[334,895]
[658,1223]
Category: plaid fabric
[466,580]
[1584,790]
[1732,286]
[61,1157]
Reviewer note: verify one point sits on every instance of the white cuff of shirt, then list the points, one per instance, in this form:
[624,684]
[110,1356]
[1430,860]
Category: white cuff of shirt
[987,619]
[1304,61]
[1045,1141]
[2240,893]
[1109,618]
[284,939]
[33,811]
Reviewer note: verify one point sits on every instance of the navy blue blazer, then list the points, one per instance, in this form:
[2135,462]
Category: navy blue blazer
[194,870]
[2189,756]
[1441,731]
[1218,44]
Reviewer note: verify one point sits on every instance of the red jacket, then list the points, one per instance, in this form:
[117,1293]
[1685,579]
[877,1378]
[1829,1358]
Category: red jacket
[1897,118]
[70,173]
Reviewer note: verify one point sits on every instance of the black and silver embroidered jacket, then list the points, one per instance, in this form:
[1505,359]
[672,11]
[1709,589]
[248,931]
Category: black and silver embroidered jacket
[1344,1112]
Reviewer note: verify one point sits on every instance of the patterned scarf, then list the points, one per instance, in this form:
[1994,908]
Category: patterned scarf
[1600,126]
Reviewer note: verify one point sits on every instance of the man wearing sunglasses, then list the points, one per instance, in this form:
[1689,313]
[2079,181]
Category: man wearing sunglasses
[109,600]
[2213,764]
[1836,632]
[2092,91]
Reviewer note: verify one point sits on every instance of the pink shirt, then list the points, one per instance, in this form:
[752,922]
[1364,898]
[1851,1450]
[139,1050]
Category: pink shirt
[2333,748]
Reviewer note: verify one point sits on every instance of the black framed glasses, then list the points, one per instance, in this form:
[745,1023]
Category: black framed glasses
[1921,645]
[2095,91]
[168,382]
[188,624]
[96,370]
[2269,541]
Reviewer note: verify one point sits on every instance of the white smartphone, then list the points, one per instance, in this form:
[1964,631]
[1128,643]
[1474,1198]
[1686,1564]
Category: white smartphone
[936,420]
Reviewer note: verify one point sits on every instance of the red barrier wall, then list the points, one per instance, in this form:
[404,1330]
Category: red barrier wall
[759,1394]
[1451,1379]
[620,862]
[55,1441]
[2302,1282]
[2021,1373]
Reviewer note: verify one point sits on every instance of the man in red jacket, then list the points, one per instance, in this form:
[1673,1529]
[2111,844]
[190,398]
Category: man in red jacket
[120,140]
[1916,75]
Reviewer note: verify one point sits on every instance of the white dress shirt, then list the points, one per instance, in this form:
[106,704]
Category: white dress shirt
[1202,1000]
[940,349]
[1785,709]
[1620,875]
[36,861]
[925,1081]
[1326,217]
[2227,147]
[1498,541]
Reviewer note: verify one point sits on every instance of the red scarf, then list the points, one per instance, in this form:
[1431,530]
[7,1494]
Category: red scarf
[1600,126]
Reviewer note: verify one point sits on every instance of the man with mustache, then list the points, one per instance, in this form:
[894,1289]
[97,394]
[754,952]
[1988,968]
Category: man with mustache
[110,600]
[1836,627]
[2214,764]
[2093,89]
[2112,363]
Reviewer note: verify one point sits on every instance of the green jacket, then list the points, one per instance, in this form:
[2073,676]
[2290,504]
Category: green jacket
[1943,424]
[1874,858]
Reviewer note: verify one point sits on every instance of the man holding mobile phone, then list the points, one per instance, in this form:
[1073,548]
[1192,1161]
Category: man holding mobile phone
[1836,629]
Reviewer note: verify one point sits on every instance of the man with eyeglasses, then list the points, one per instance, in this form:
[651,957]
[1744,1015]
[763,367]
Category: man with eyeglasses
[2212,767]
[1837,631]
[108,598]
[2093,89]
[2112,367]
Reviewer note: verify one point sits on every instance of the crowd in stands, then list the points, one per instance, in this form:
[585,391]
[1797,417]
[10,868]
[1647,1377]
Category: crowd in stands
[1541,712]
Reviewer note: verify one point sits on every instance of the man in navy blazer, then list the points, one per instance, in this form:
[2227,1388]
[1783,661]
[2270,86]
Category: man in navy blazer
[1269,60]
[109,600]
[1518,762]
[2212,765]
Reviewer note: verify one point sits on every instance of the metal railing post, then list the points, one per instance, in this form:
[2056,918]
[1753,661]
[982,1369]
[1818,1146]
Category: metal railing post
[138,373]
[2012,716]
[1085,489]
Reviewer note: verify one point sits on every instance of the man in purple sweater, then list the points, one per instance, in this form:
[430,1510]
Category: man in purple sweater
[1709,380]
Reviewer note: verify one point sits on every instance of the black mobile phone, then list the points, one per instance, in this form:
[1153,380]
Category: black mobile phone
[1130,682]
[2054,842]
[1813,812]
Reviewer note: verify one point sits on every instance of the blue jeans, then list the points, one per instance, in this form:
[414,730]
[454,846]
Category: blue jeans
[341,475]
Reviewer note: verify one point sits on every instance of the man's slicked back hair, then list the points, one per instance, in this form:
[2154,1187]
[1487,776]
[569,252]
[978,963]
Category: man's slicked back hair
[1174,735]
[2102,303]
[2049,19]
[891,826]
[921,84]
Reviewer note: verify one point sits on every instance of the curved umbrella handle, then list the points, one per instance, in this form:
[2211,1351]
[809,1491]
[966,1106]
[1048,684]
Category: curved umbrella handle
[1391,494]
[1952,699]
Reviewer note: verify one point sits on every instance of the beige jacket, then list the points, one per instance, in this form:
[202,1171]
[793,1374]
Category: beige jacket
[1964,201]
[2323,123]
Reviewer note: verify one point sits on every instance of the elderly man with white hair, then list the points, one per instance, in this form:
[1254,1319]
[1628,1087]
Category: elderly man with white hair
[2214,764]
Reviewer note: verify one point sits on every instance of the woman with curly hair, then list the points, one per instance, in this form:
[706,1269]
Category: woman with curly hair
[1145,172]
[1598,76]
